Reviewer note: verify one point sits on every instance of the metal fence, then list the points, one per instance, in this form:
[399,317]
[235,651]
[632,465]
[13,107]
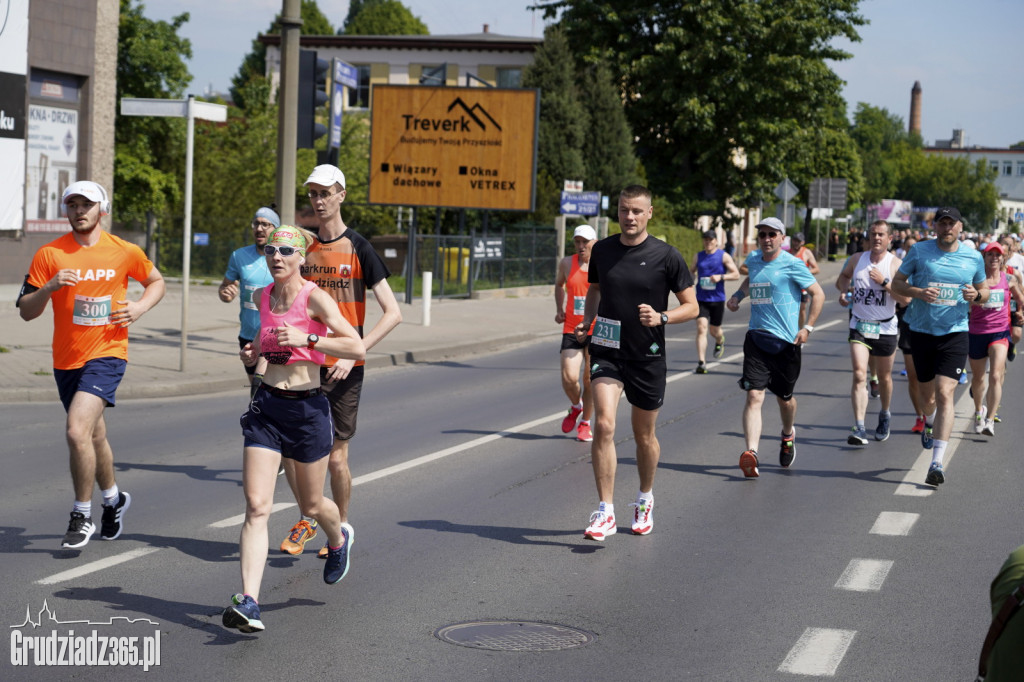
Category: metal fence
[492,259]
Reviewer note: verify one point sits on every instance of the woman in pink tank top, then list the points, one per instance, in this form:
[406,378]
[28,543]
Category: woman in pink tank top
[989,338]
[288,415]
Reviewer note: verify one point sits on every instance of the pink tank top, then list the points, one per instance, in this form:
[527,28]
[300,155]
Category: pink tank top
[994,314]
[298,317]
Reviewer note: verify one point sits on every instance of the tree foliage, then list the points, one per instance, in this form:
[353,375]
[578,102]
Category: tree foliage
[383,18]
[561,132]
[253,69]
[148,150]
[883,145]
[933,180]
[704,79]
[608,155]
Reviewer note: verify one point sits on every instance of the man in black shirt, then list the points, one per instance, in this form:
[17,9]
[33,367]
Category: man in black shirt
[631,275]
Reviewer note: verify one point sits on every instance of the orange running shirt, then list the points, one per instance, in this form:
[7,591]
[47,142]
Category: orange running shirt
[576,286]
[81,328]
[345,268]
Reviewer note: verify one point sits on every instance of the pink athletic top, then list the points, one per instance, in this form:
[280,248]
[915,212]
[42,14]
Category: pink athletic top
[298,317]
[994,314]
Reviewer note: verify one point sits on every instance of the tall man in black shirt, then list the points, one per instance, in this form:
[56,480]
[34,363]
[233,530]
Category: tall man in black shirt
[631,275]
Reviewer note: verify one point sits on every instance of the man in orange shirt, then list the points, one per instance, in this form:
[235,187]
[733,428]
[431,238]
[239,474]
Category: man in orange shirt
[343,264]
[85,273]
[797,248]
[570,294]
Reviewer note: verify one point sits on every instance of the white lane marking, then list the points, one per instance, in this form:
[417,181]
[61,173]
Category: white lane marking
[864,575]
[483,440]
[92,567]
[913,481]
[894,523]
[819,651]
[240,519]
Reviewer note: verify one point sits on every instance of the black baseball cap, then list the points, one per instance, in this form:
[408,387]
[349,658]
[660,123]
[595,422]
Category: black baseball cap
[948,212]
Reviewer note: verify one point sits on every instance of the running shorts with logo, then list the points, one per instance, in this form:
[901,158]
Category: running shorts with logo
[99,376]
[643,381]
[770,362]
[944,355]
[299,428]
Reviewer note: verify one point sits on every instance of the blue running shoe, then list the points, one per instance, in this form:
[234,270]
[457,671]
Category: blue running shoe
[926,437]
[963,378]
[935,475]
[243,614]
[337,564]
[882,430]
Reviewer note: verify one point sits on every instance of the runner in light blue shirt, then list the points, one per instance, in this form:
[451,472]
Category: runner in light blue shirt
[247,271]
[942,276]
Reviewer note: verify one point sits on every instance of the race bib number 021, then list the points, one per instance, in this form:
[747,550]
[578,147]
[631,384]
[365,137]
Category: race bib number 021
[90,311]
[761,294]
[607,333]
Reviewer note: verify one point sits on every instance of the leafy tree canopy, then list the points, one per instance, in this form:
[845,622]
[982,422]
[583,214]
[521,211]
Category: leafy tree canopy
[254,65]
[148,150]
[702,80]
[383,18]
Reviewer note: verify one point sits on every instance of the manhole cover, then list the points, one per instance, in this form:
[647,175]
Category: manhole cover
[517,635]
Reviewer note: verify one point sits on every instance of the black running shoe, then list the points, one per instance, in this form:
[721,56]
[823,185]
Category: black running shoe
[113,517]
[80,529]
[787,451]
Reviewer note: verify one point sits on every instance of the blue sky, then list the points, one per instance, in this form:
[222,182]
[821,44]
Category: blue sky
[967,55]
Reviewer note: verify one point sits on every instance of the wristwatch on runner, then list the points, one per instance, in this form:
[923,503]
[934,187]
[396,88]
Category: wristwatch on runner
[311,341]
[809,328]
[664,319]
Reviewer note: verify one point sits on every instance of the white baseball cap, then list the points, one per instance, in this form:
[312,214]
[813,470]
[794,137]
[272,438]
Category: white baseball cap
[326,175]
[585,231]
[86,188]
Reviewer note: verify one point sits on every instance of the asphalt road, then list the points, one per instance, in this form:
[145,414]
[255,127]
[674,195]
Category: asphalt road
[469,506]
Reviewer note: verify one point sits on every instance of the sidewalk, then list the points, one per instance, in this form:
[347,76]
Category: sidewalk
[458,328]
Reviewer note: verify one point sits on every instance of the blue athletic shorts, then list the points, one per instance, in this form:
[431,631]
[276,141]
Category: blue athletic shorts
[298,428]
[978,344]
[99,376]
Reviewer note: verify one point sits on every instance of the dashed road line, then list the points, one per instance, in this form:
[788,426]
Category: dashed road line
[819,651]
[894,523]
[93,566]
[864,575]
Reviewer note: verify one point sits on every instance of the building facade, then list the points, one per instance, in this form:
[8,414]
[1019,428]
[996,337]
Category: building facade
[58,63]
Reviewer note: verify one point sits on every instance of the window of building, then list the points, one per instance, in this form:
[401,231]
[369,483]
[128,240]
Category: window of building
[1008,168]
[1020,168]
[995,167]
[510,78]
[359,98]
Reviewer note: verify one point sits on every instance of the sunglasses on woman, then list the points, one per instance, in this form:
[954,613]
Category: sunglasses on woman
[271,249]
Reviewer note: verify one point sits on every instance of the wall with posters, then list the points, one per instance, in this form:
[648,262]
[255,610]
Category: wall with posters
[63,55]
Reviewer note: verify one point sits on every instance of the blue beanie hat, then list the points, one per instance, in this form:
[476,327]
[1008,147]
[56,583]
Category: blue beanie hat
[268,214]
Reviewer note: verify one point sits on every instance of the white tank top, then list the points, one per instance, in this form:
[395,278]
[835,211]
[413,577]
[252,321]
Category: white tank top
[872,304]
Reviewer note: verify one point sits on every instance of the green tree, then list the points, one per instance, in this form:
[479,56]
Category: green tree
[562,121]
[702,80]
[883,145]
[384,18]
[932,180]
[253,69]
[148,150]
[608,155]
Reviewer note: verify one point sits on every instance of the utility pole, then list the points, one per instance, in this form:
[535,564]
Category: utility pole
[287,106]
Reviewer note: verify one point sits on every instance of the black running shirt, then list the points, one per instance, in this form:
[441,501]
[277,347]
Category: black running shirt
[629,276]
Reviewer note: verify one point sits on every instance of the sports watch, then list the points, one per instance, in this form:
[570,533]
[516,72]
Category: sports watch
[664,318]
[311,341]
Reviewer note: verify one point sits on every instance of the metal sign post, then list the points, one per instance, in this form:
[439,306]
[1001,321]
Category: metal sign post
[189,109]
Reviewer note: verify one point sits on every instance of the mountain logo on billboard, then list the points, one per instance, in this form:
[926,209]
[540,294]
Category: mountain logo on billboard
[475,112]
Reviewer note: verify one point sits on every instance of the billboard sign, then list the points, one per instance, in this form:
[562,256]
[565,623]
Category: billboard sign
[453,147]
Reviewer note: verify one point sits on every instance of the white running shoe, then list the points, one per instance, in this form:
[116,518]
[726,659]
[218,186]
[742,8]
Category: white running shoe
[601,526]
[643,516]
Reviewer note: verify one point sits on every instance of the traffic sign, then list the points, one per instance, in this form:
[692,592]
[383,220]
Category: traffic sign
[346,74]
[786,190]
[580,203]
[828,193]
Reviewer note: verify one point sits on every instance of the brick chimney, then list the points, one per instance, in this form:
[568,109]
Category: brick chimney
[487,28]
[915,109]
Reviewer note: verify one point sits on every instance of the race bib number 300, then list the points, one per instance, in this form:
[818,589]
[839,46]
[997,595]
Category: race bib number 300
[91,311]
[607,333]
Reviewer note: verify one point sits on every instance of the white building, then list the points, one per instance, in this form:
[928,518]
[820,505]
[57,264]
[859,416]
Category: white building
[1008,163]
